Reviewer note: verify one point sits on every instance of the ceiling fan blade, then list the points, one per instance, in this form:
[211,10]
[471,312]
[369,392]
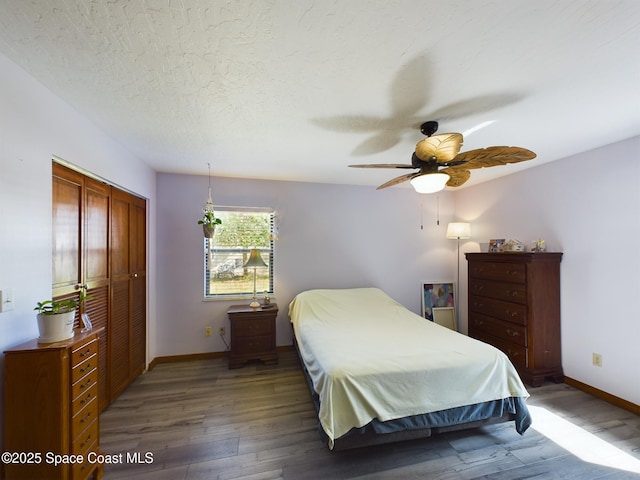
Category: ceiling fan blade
[494,156]
[383,165]
[400,179]
[458,175]
[443,147]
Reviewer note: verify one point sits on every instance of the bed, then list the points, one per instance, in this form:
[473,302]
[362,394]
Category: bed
[378,372]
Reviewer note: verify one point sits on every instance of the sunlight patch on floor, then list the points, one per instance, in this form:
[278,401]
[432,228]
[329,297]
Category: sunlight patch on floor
[581,443]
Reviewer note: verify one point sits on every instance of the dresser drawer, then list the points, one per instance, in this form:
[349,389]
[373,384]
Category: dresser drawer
[511,292]
[508,272]
[86,439]
[84,384]
[83,351]
[516,353]
[248,327]
[511,312]
[508,331]
[81,370]
[82,471]
[85,396]
[84,418]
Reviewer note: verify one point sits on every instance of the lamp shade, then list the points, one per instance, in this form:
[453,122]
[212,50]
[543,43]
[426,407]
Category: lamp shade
[255,259]
[430,182]
[459,230]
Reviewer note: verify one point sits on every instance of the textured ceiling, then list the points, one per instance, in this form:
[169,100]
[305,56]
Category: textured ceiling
[299,89]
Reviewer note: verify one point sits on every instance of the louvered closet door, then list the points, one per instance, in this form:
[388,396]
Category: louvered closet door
[128,294]
[95,267]
[81,251]
[67,192]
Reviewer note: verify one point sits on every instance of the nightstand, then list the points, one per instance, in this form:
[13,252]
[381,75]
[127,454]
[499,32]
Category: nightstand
[253,334]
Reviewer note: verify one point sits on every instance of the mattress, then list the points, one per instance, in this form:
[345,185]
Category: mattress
[372,360]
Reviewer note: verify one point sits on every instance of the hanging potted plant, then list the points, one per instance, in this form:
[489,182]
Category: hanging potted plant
[55,318]
[209,222]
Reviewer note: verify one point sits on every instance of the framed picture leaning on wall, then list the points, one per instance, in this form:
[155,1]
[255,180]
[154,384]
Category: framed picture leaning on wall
[435,295]
[445,316]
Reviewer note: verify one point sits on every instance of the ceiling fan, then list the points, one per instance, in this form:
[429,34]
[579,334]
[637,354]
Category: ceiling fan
[440,164]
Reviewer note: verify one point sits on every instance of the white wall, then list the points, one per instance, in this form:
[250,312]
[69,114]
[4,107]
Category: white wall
[587,206]
[34,126]
[330,236]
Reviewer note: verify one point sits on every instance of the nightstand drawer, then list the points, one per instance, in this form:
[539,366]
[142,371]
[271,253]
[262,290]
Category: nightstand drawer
[249,327]
[256,344]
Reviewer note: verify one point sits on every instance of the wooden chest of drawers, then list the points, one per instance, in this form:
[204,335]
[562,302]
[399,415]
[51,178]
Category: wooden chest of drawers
[253,334]
[514,304]
[51,407]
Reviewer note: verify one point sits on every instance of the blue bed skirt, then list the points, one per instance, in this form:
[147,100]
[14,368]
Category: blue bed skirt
[514,406]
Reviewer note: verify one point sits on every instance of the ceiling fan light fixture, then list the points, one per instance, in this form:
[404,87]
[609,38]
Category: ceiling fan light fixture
[430,182]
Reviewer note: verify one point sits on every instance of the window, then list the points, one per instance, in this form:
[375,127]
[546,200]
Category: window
[226,253]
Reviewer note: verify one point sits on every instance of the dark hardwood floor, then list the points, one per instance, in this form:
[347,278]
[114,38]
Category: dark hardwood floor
[199,420]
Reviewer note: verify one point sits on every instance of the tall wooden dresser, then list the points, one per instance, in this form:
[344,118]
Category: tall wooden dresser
[514,304]
[51,407]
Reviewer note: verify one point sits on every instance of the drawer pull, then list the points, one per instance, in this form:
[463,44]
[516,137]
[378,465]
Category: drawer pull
[86,352]
[85,399]
[478,323]
[512,333]
[86,384]
[512,314]
[87,416]
[86,442]
[87,368]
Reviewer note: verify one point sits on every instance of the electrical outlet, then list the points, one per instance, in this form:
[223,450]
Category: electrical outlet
[597,359]
[222,331]
[207,331]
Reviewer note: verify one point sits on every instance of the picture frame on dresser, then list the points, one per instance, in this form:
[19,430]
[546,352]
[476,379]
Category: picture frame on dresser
[436,295]
[496,245]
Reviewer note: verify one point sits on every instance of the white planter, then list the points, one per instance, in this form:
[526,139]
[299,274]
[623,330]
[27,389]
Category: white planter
[55,328]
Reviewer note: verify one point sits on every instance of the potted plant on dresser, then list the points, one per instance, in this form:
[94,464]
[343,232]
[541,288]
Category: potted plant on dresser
[55,318]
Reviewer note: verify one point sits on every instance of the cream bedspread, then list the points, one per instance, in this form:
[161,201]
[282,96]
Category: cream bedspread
[369,357]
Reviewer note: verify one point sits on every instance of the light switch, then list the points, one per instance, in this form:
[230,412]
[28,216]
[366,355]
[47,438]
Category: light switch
[6,300]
